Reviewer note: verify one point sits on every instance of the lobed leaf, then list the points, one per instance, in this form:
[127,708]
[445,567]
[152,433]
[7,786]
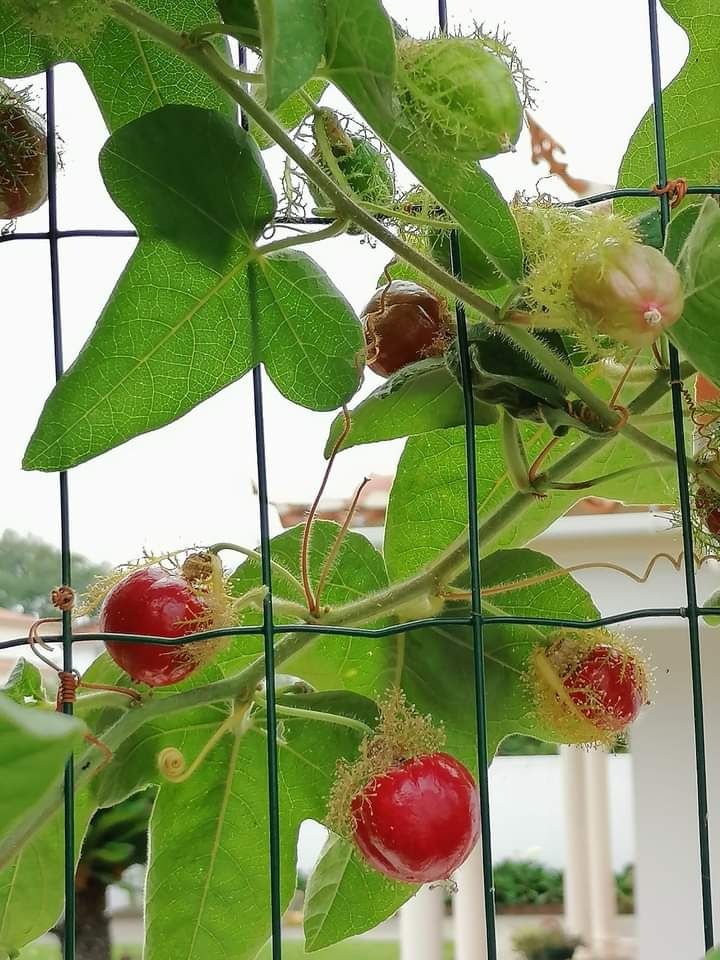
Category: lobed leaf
[293,41]
[184,320]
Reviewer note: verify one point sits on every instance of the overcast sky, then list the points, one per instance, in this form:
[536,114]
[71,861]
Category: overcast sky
[594,84]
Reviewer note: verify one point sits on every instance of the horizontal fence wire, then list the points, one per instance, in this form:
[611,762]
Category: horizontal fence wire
[474,620]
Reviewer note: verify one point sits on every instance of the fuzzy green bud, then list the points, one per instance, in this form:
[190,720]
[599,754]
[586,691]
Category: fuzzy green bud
[454,93]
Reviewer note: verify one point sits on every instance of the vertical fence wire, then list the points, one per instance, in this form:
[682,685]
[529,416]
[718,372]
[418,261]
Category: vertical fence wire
[475,584]
[685,511]
[269,638]
[65,572]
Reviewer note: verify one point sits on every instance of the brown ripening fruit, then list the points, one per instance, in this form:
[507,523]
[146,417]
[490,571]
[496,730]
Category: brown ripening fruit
[403,323]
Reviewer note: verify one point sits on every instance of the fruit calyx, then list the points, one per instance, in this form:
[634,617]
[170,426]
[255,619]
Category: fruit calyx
[589,685]
[402,734]
[404,323]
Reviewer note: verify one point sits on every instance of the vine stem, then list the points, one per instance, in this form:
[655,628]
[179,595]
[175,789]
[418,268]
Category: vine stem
[255,555]
[338,720]
[204,56]
[333,230]
[454,560]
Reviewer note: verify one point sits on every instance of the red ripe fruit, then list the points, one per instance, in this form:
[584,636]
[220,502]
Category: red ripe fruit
[23,156]
[419,821]
[152,602]
[608,687]
[630,293]
[404,323]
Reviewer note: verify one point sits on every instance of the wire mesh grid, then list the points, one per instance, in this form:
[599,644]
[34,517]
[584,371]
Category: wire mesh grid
[269,630]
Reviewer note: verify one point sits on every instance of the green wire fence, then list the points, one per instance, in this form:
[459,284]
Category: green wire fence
[476,621]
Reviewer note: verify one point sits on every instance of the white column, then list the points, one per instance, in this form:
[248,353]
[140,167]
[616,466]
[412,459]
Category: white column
[577,879]
[422,920]
[602,888]
[469,909]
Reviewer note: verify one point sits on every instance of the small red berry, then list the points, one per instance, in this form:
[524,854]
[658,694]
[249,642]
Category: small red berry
[608,687]
[404,323]
[419,821]
[152,602]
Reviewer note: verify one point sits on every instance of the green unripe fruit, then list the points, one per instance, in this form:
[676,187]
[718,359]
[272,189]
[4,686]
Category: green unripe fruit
[457,95]
[365,169]
[712,619]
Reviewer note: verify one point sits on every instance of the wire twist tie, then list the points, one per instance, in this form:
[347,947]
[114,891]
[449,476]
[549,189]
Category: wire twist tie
[676,191]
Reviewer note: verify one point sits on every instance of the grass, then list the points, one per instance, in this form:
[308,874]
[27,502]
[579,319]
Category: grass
[292,950]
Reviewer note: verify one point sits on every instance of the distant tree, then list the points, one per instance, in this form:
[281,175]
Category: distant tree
[30,568]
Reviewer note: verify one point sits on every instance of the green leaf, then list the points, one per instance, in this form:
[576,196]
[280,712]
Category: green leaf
[25,683]
[179,326]
[34,745]
[428,502]
[208,202]
[421,397]
[330,661]
[694,243]
[240,13]
[129,74]
[31,887]
[344,897]
[361,62]
[312,342]
[293,41]
[360,53]
[691,108]
[208,880]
